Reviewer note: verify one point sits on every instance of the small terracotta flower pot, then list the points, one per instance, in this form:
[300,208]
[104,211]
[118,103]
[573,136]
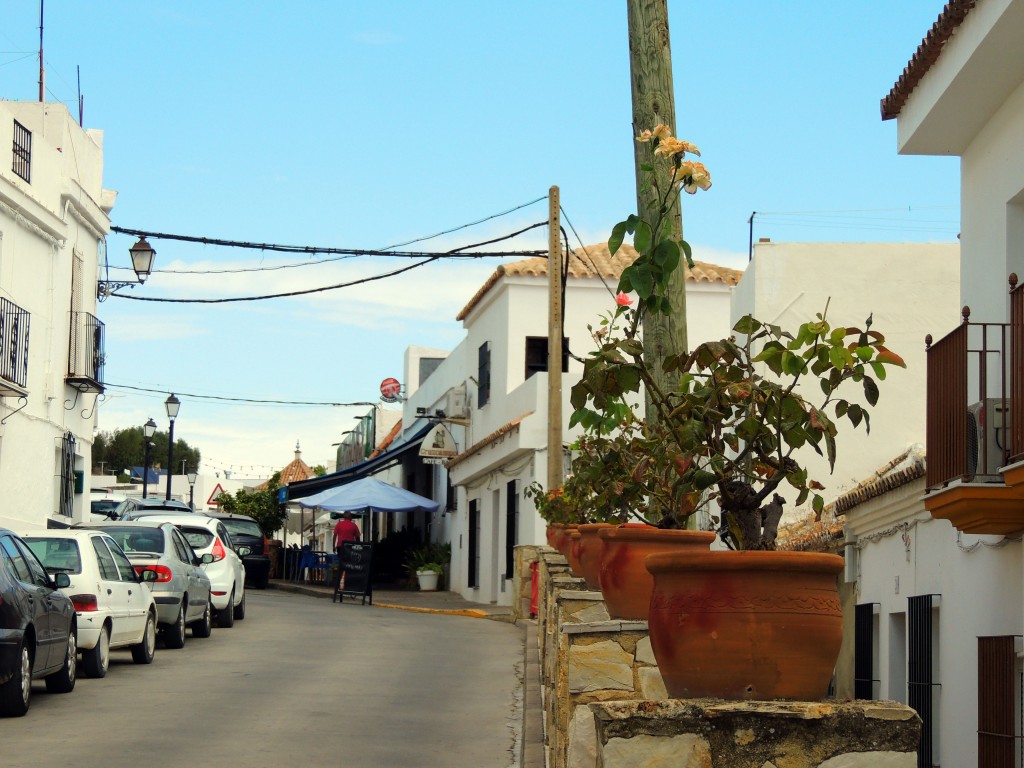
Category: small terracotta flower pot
[560,537]
[624,581]
[573,552]
[591,546]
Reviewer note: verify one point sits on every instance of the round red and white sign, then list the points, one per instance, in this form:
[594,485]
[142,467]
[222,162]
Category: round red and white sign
[390,389]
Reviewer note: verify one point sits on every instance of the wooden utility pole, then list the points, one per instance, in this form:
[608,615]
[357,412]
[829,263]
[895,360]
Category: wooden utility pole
[555,469]
[650,66]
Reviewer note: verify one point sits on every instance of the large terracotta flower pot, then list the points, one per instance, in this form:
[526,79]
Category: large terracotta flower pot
[559,537]
[573,552]
[622,578]
[591,546]
[746,625]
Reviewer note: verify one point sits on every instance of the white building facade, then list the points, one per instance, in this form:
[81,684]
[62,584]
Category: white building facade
[54,215]
[493,390]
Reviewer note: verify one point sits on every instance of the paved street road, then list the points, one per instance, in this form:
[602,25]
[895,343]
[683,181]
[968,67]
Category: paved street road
[300,683]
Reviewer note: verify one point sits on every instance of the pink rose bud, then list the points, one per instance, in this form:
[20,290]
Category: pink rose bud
[623,300]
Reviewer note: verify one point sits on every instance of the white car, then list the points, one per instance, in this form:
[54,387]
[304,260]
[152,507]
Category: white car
[208,535]
[113,604]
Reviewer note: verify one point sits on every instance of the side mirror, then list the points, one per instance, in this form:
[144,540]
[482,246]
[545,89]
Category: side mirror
[205,559]
[61,581]
[147,574]
[244,551]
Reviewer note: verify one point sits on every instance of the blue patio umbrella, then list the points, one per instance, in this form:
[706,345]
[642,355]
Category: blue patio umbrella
[368,495]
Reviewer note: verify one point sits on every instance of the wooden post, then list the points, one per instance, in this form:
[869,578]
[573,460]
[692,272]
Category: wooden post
[650,65]
[554,342]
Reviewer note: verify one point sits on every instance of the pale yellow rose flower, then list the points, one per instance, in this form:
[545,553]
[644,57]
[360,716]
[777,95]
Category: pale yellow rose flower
[693,176]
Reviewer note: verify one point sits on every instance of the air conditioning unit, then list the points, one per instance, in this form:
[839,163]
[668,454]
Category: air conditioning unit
[988,447]
[456,406]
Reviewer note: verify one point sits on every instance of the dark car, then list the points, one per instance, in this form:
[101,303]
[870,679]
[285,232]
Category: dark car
[246,532]
[38,630]
[133,509]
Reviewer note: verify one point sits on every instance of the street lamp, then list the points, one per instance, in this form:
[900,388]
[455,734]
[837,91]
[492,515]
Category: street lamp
[192,487]
[173,405]
[148,430]
[142,254]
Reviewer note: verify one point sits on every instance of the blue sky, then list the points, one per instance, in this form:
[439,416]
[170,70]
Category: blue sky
[346,124]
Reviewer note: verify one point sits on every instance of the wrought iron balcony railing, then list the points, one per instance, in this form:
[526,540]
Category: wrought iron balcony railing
[85,353]
[14,325]
[968,423]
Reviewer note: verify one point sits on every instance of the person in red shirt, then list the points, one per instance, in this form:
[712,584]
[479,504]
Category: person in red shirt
[346,530]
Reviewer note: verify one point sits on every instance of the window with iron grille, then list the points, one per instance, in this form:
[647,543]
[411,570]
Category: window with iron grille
[22,151]
[483,375]
[922,688]
[537,355]
[865,679]
[473,569]
[67,475]
[1000,685]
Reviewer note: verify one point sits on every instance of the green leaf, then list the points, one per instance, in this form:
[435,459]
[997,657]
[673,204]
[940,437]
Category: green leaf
[855,413]
[864,353]
[879,370]
[837,356]
[687,252]
[830,449]
[747,325]
[702,480]
[870,390]
[664,250]
[642,238]
[642,280]
[802,497]
[616,238]
[818,503]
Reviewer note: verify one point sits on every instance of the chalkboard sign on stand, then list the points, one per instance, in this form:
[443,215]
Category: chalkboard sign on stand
[355,561]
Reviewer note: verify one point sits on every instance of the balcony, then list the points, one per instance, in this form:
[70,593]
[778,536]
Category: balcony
[85,353]
[14,323]
[975,419]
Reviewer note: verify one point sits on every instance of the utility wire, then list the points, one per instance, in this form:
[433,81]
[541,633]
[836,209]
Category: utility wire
[350,283]
[464,226]
[239,399]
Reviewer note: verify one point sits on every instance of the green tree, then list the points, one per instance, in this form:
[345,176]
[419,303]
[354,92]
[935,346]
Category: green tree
[123,448]
[261,505]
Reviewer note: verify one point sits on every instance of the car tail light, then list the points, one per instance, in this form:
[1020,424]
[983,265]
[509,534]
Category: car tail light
[218,551]
[163,573]
[85,603]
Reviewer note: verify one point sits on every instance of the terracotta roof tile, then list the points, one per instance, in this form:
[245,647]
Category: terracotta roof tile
[389,438]
[592,262]
[904,469]
[293,471]
[927,53]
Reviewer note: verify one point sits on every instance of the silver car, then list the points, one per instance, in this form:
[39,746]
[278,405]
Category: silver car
[181,589]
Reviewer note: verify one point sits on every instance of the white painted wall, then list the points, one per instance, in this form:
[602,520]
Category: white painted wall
[514,308]
[968,572]
[44,224]
[911,289]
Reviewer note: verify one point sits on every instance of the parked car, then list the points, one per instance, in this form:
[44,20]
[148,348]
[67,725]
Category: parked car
[131,508]
[181,590]
[38,627]
[207,535]
[114,607]
[246,532]
[102,504]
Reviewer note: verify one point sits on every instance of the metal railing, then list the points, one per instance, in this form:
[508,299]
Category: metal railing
[968,424]
[86,357]
[14,325]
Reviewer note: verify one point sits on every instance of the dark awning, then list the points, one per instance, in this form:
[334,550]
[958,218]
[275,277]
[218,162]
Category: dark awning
[302,488]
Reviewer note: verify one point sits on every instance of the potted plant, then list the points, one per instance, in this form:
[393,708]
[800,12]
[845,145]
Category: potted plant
[428,564]
[723,437]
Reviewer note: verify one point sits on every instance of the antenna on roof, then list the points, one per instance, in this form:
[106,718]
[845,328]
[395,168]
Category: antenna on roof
[42,72]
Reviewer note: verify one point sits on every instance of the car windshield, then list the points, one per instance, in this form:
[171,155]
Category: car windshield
[242,527]
[199,538]
[103,505]
[56,555]
[135,541]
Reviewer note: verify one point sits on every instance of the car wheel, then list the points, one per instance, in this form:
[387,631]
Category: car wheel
[174,635]
[204,627]
[143,652]
[226,618]
[63,681]
[96,660]
[16,692]
[240,609]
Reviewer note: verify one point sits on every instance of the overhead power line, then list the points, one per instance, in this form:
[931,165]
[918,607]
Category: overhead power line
[241,399]
[430,258]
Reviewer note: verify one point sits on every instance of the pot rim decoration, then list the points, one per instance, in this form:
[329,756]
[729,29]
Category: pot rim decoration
[763,560]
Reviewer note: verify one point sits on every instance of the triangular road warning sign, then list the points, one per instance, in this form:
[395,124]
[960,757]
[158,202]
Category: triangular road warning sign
[212,501]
